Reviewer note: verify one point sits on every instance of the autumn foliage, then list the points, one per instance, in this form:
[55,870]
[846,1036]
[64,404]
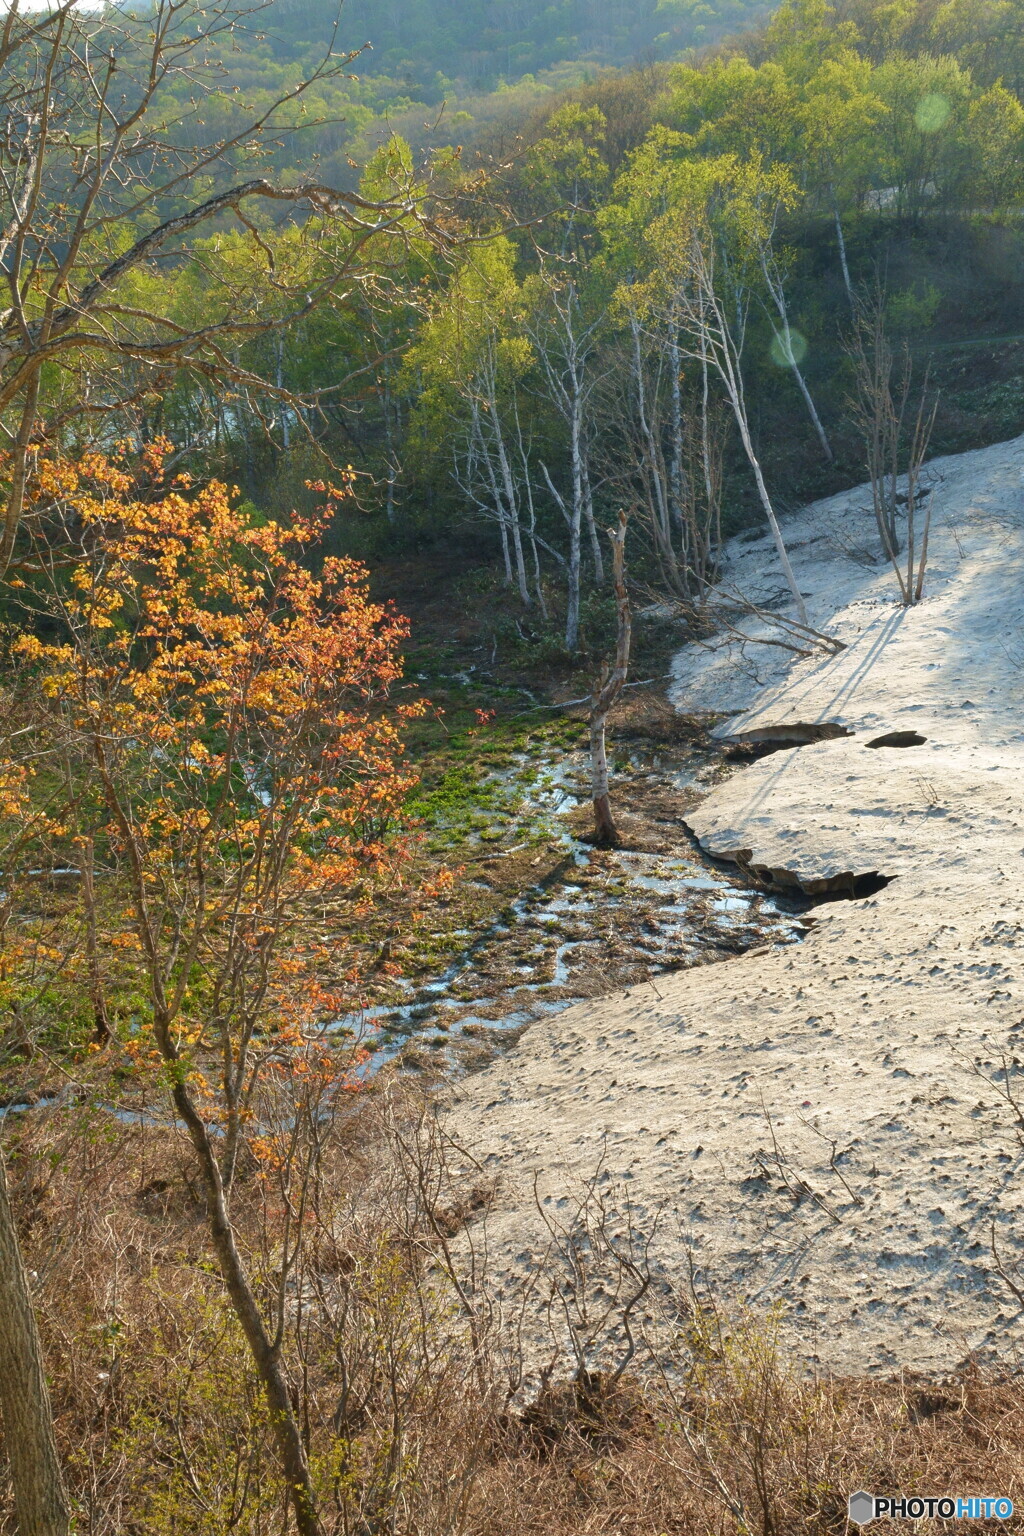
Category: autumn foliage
[212,727]
[228,710]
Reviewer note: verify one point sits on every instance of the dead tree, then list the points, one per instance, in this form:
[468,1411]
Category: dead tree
[484,464]
[775,286]
[607,689]
[895,442]
[662,440]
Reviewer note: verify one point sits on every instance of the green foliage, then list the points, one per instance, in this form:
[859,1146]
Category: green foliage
[826,137]
[429,46]
[858,122]
[194,1408]
[471,343]
[870,117]
[913,309]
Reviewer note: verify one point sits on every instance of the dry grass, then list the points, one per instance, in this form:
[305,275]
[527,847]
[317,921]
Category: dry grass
[413,1382]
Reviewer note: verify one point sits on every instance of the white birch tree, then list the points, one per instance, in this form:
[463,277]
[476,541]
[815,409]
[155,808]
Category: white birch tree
[706,255]
[469,364]
[564,332]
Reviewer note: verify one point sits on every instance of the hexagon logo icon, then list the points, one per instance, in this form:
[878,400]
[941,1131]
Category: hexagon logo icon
[862,1507]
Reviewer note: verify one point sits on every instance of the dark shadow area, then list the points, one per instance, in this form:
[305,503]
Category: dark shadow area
[858,886]
[898,739]
[844,886]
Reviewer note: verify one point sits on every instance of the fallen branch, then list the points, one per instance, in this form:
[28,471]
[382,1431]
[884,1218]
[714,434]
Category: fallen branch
[782,621]
[643,682]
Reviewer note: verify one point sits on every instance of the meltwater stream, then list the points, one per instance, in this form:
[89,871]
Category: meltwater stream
[600,921]
[609,919]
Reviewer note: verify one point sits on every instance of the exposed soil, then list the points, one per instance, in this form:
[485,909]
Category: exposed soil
[831,1128]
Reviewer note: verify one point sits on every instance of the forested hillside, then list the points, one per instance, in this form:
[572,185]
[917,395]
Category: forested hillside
[524,389]
[443,71]
[509,323]
[480,44]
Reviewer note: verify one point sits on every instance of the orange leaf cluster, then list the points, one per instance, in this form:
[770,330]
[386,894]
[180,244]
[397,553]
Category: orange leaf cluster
[220,696]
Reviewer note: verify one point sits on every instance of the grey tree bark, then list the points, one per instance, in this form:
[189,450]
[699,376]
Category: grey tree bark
[40,1499]
[563,340]
[773,282]
[715,342]
[841,238]
[264,1347]
[609,685]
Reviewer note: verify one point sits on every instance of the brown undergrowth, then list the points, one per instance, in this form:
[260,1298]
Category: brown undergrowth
[601,1396]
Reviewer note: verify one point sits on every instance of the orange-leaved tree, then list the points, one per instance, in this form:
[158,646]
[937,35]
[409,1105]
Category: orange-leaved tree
[225,711]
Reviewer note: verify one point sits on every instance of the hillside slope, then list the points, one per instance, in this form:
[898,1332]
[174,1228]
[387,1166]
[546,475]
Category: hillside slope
[828,1125]
[484,43]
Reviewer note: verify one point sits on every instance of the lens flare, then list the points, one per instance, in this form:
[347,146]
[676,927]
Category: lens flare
[784,356]
[932,112]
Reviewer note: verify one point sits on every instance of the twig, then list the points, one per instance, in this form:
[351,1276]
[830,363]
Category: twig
[1001,1271]
[857,1199]
[800,1188]
[644,682]
[1002,1088]
[782,621]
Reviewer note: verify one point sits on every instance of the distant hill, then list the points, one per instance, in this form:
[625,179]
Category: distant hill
[479,45]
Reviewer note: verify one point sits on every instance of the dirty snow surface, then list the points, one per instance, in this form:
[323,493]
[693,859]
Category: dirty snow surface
[837,1125]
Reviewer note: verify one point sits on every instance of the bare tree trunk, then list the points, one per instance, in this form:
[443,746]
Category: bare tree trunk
[564,344]
[265,1351]
[19,473]
[538,582]
[842,257]
[392,424]
[505,551]
[712,483]
[773,282]
[532,528]
[717,344]
[706,526]
[729,370]
[511,499]
[689,556]
[572,565]
[588,513]
[40,1501]
[609,686]
[479,449]
[923,427]
[919,587]
[661,485]
[880,410]
[286,439]
[734,389]
[100,1014]
[780,545]
[572,618]
[812,409]
[487,462]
